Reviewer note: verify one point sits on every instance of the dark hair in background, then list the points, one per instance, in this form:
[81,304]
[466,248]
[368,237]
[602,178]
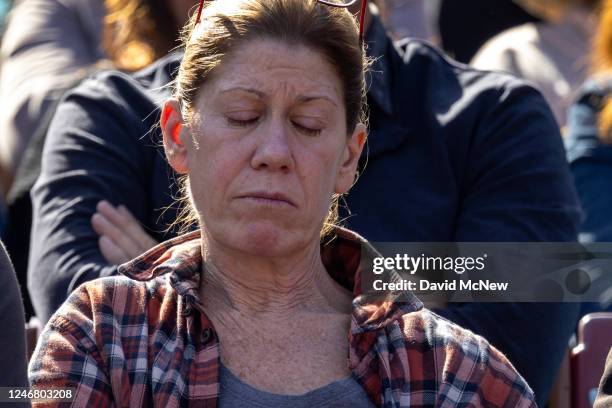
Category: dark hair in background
[465,25]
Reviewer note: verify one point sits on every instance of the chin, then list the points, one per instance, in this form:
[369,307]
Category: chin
[269,240]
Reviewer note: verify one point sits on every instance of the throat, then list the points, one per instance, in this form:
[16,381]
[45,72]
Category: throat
[272,295]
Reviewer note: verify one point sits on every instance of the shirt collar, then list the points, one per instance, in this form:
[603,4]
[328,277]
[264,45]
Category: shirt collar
[345,258]
[379,78]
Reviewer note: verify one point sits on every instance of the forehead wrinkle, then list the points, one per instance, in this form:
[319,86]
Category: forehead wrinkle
[262,65]
[269,84]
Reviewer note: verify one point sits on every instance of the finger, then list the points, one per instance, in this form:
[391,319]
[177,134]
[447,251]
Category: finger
[136,231]
[111,213]
[111,252]
[136,239]
[129,226]
[100,224]
[104,227]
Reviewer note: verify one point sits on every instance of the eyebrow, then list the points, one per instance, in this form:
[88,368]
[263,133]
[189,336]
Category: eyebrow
[261,95]
[249,90]
[315,97]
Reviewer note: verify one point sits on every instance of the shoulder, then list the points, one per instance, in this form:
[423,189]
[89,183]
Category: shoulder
[515,36]
[114,111]
[137,94]
[12,338]
[420,55]
[111,90]
[424,326]
[98,341]
[454,87]
[466,366]
[11,297]
[113,303]
[7,274]
[469,111]
[513,39]
[510,44]
[11,306]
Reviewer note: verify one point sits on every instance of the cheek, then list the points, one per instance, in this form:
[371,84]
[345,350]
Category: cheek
[213,168]
[319,172]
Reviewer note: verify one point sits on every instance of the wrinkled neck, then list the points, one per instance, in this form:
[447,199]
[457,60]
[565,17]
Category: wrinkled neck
[276,288]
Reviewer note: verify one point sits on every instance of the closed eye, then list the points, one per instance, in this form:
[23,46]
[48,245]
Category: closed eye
[306,130]
[241,123]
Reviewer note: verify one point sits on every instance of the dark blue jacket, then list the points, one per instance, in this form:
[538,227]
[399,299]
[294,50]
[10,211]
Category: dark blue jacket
[591,165]
[591,160]
[454,154]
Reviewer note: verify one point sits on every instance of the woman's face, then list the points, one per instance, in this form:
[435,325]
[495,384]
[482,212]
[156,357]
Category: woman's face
[268,148]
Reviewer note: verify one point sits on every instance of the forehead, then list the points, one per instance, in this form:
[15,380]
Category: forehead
[273,67]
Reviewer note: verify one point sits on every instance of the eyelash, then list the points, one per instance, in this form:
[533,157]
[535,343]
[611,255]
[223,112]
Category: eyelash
[244,123]
[307,131]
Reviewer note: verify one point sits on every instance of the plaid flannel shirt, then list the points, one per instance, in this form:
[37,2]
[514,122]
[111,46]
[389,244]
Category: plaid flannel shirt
[144,340]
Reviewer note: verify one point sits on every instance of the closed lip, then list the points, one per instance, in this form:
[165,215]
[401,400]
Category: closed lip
[268,196]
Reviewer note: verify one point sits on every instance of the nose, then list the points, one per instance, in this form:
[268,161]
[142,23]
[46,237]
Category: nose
[273,150]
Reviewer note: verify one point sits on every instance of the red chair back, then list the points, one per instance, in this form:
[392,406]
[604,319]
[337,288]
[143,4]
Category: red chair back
[589,356]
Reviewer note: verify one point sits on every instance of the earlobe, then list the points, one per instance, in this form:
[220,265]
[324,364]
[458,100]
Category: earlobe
[173,135]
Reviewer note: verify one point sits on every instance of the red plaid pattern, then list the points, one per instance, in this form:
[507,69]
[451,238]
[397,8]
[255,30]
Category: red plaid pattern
[141,340]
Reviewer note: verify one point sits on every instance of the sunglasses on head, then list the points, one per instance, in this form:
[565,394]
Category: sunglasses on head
[332,3]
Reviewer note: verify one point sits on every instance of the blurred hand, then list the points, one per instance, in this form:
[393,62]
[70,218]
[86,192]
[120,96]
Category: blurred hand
[122,238]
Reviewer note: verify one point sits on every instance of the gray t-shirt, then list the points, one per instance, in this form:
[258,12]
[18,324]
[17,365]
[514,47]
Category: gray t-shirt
[342,393]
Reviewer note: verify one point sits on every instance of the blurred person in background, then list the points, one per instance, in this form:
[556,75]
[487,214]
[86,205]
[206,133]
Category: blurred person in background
[589,142]
[13,359]
[553,53]
[47,46]
[50,45]
[408,18]
[461,27]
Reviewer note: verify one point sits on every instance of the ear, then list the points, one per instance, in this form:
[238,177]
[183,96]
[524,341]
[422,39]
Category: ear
[350,159]
[174,132]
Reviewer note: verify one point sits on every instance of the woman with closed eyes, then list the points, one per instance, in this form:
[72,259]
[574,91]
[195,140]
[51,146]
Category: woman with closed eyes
[263,305]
